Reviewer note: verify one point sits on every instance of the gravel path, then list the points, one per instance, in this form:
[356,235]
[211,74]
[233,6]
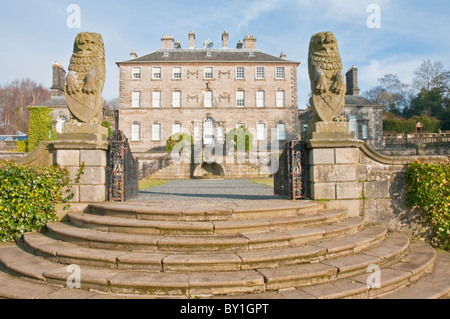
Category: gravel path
[208,190]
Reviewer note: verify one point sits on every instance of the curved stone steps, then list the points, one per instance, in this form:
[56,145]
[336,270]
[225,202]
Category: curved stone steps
[69,253]
[396,283]
[398,274]
[201,243]
[230,227]
[215,282]
[192,212]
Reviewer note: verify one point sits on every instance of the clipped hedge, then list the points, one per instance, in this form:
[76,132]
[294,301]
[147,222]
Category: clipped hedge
[429,189]
[177,138]
[28,195]
[242,138]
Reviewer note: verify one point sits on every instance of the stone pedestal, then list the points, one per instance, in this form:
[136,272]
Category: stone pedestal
[333,165]
[83,144]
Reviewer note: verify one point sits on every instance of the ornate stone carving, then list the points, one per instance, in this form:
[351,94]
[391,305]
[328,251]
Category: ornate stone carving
[327,77]
[86,78]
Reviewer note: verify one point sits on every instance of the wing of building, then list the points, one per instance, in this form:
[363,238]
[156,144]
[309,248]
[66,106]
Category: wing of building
[206,92]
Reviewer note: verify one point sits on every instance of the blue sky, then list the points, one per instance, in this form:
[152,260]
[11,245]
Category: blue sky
[35,34]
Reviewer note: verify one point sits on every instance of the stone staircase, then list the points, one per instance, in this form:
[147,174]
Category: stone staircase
[271,249]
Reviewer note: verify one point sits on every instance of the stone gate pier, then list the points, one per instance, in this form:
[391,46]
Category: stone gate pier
[346,172]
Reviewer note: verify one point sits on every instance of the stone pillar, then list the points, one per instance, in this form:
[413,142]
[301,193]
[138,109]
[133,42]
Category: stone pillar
[333,166]
[82,143]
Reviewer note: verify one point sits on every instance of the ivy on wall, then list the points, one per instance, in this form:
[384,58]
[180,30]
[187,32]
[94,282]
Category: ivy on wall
[40,129]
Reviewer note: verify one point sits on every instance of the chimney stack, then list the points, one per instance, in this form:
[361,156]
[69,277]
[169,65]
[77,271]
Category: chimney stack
[225,39]
[133,55]
[239,45]
[249,42]
[167,42]
[59,80]
[191,40]
[352,81]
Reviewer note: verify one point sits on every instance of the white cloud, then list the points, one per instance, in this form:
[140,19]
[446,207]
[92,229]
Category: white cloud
[402,66]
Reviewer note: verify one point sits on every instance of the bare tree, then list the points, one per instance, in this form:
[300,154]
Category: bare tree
[15,97]
[112,104]
[430,75]
[390,92]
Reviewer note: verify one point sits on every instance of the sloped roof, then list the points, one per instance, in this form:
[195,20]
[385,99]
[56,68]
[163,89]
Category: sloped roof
[54,101]
[359,101]
[202,55]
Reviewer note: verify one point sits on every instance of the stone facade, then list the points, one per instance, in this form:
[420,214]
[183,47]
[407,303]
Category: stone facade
[176,89]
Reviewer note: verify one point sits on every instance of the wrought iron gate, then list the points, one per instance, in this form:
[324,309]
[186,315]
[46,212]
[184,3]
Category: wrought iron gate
[291,179]
[122,170]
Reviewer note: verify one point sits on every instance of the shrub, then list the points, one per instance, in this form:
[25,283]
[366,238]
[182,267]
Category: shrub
[177,138]
[238,135]
[28,195]
[429,189]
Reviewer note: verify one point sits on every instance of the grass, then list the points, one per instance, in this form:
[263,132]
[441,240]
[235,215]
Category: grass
[263,181]
[149,183]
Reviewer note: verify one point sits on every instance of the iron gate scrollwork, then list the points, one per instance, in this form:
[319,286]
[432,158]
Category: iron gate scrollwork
[291,179]
[122,170]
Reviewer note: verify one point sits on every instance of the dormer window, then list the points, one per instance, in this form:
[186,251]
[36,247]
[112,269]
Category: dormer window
[208,53]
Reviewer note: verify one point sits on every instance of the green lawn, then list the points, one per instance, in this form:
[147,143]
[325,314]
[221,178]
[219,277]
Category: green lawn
[149,183]
[263,181]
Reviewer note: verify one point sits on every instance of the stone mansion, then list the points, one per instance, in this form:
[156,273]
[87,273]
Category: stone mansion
[206,92]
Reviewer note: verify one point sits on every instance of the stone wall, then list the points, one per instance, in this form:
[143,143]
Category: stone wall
[348,173]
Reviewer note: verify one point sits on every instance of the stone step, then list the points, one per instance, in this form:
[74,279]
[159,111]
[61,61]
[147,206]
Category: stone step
[245,241]
[435,285]
[195,212]
[419,261]
[231,227]
[226,282]
[68,253]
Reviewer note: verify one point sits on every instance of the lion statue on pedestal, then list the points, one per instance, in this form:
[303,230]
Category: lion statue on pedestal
[327,77]
[86,78]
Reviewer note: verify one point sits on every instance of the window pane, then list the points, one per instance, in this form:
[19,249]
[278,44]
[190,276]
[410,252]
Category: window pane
[280,73]
[136,99]
[280,99]
[156,99]
[281,130]
[156,73]
[208,99]
[240,73]
[176,72]
[260,99]
[260,72]
[136,132]
[136,73]
[208,73]
[261,131]
[156,132]
[240,98]
[176,99]
[364,131]
[176,128]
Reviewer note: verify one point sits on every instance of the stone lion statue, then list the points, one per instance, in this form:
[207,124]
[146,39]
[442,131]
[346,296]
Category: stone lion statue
[86,77]
[326,75]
